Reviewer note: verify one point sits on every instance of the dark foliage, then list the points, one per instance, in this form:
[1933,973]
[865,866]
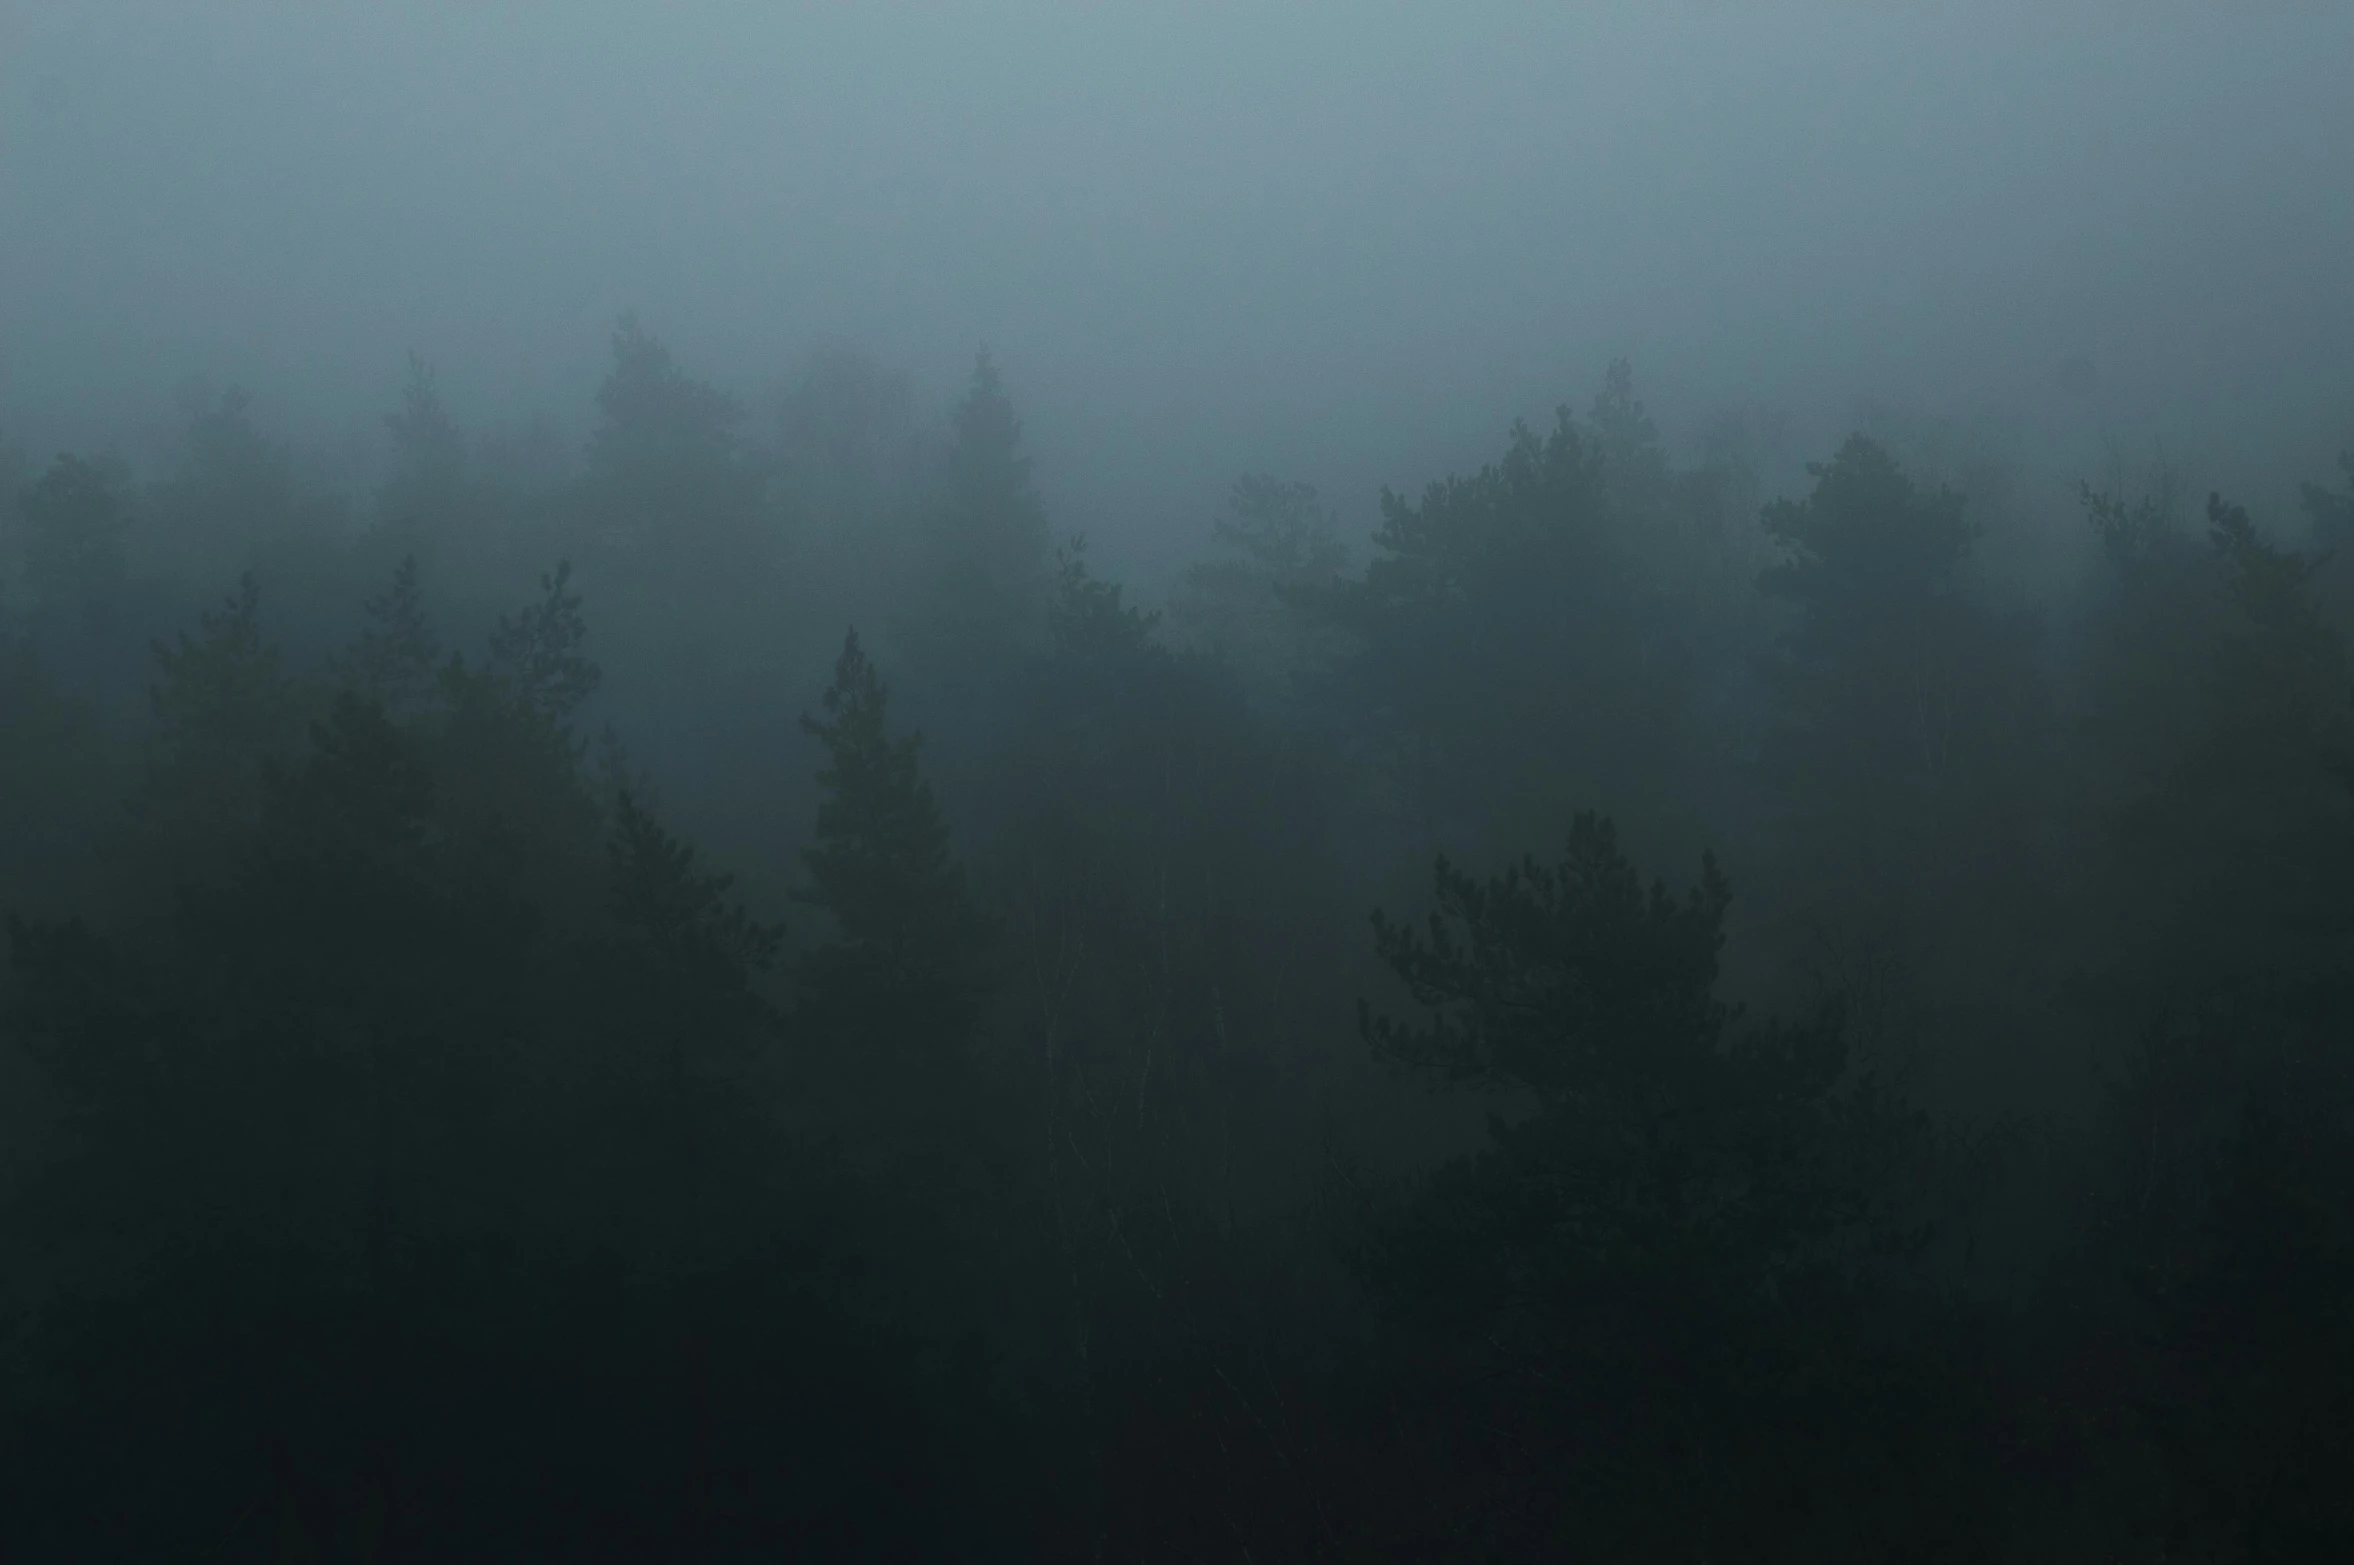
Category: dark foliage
[421,1139]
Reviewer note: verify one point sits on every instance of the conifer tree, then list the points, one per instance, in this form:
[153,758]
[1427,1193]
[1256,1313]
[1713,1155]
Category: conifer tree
[679,933]
[904,969]
[1904,773]
[666,465]
[393,661]
[1520,582]
[1277,541]
[1666,1270]
[74,521]
[991,533]
[224,706]
[538,652]
[429,460]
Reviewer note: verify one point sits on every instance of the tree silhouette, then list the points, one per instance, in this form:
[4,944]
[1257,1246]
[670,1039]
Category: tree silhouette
[903,971]
[394,661]
[74,522]
[1669,1263]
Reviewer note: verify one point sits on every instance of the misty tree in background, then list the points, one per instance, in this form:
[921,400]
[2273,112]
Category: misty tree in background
[2221,729]
[904,970]
[678,530]
[1904,764]
[394,661]
[1276,539]
[225,706]
[1514,659]
[2223,868]
[848,445]
[2329,521]
[235,491]
[58,766]
[989,539]
[539,651]
[459,508]
[507,753]
[675,513]
[665,460]
[681,1022]
[73,525]
[424,499]
[1866,682]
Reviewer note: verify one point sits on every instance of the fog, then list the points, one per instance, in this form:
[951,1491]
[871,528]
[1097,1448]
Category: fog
[1344,242]
[1210,782]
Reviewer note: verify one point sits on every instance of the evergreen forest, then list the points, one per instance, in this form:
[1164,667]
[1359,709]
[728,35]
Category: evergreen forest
[731,994]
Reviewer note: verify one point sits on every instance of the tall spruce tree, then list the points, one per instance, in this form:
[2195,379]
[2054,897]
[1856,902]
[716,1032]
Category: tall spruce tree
[904,971]
[990,536]
[74,521]
[1903,772]
[427,485]
[393,660]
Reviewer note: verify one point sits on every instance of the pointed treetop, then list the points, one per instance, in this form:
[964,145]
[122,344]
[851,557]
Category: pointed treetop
[539,650]
[393,659]
[904,967]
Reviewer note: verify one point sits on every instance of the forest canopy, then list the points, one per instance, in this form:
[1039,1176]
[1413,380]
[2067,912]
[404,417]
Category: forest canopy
[497,965]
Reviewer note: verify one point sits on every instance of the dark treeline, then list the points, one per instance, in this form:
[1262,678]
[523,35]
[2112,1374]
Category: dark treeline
[729,996]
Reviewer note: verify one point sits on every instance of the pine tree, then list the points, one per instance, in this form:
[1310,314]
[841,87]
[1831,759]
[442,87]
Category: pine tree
[74,521]
[666,465]
[394,659]
[1664,1270]
[1904,771]
[538,652]
[678,930]
[1519,582]
[904,970]
[224,707]
[991,533]
[427,485]
[1277,540]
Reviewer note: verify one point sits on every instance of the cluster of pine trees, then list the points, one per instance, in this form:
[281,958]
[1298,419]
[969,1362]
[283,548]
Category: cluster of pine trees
[1846,1065]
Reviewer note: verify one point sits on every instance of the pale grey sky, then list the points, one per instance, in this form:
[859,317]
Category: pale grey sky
[1346,241]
